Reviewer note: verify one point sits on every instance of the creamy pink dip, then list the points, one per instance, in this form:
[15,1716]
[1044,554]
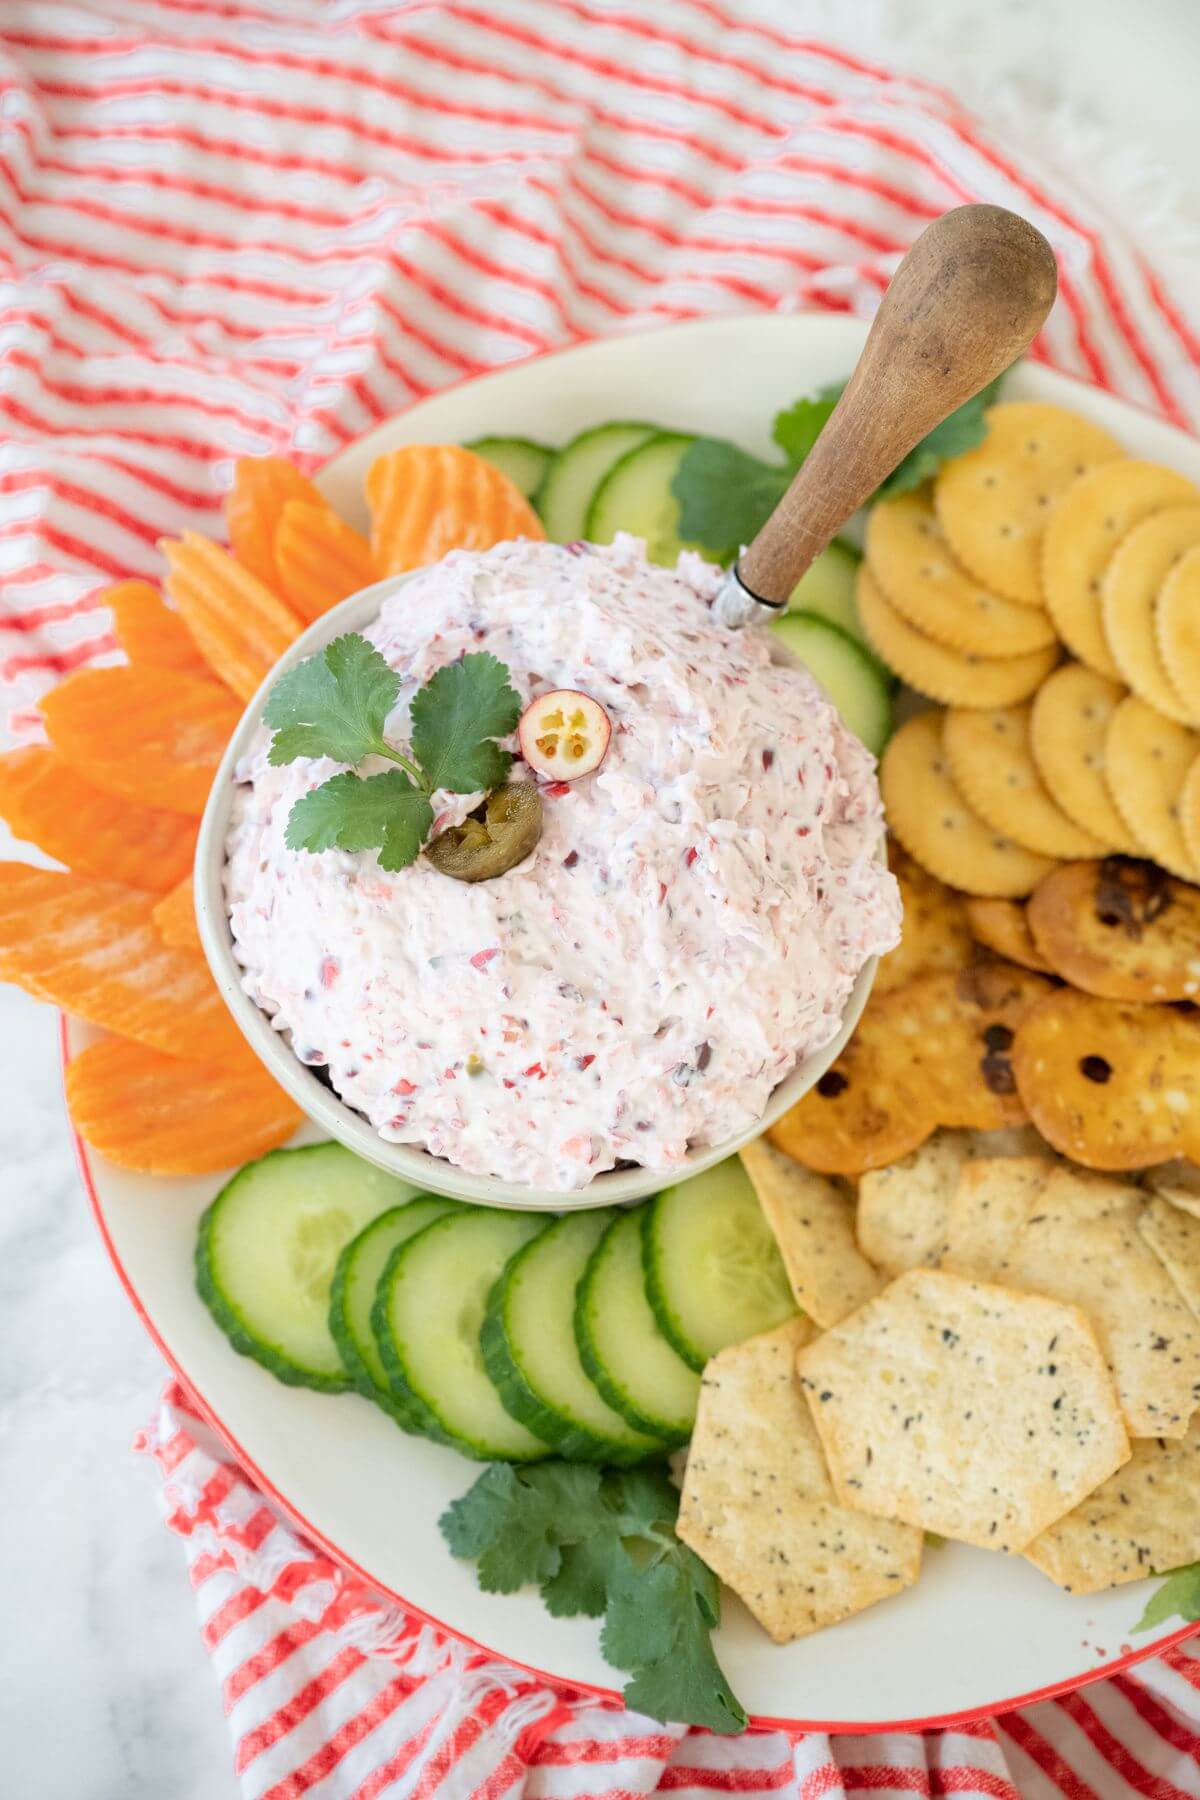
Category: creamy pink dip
[690,924]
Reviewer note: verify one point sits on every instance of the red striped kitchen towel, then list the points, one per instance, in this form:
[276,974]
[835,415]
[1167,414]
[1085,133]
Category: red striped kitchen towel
[232,226]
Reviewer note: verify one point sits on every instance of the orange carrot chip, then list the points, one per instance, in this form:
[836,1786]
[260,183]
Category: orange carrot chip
[151,735]
[175,917]
[148,631]
[320,559]
[160,1116]
[91,948]
[427,499]
[240,626]
[46,802]
[262,485]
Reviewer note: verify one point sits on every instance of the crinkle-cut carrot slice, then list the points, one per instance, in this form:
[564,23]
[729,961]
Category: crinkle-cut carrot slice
[148,631]
[160,1116]
[427,499]
[92,948]
[46,802]
[262,486]
[241,628]
[151,735]
[320,559]
[175,917]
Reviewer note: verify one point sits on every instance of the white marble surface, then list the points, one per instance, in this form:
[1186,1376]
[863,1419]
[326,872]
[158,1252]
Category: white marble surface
[105,1692]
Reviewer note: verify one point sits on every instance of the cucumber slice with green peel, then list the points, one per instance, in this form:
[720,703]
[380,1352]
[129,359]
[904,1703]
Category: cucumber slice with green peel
[267,1249]
[850,675]
[827,590]
[578,469]
[714,1275]
[524,462]
[428,1310]
[621,1347]
[352,1295]
[529,1348]
[636,496]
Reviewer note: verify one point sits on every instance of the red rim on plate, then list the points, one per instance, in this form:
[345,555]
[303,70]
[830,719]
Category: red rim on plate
[760,1721]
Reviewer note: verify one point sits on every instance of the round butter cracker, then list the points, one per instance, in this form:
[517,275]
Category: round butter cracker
[1147,760]
[1083,532]
[992,765]
[913,565]
[1001,925]
[994,502]
[1189,812]
[1177,628]
[928,814]
[1129,592]
[955,677]
[1067,728]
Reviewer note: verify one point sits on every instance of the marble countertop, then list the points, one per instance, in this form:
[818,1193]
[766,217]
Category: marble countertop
[106,1690]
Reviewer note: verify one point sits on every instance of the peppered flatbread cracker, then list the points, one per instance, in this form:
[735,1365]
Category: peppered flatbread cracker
[973,1411]
[1001,925]
[994,503]
[956,677]
[993,767]
[1178,1183]
[910,559]
[1119,928]
[933,929]
[1067,730]
[904,1210]
[937,827]
[758,1505]
[1174,1237]
[1109,1083]
[1084,529]
[933,1053]
[1177,629]
[1143,1520]
[1051,1229]
[1140,565]
[813,1224]
[1147,759]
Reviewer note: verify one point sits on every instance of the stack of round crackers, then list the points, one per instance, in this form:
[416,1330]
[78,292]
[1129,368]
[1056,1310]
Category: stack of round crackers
[1043,541]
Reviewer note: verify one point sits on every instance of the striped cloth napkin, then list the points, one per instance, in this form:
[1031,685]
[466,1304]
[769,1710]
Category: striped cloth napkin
[240,226]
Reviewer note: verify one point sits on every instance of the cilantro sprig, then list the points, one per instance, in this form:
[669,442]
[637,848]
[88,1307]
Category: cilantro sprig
[1178,1597]
[725,495]
[337,703]
[602,1543]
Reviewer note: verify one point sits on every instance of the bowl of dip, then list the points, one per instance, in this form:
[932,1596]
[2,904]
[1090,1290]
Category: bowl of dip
[679,959]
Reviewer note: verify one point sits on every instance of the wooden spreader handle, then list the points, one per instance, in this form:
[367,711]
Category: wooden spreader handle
[966,301]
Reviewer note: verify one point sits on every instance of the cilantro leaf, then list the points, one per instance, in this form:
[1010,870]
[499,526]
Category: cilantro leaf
[454,718]
[963,430]
[1179,1596]
[603,1542]
[798,427]
[334,704]
[724,494]
[384,812]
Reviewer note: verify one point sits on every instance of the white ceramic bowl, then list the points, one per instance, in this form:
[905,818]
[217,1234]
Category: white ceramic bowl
[342,1121]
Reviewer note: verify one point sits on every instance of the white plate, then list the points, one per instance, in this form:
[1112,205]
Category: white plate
[979,1633]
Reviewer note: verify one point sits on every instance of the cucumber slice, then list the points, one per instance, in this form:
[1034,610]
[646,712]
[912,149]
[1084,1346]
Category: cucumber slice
[828,590]
[267,1248]
[714,1275]
[529,1349]
[636,496]
[576,472]
[428,1310]
[352,1295]
[849,674]
[620,1345]
[524,462]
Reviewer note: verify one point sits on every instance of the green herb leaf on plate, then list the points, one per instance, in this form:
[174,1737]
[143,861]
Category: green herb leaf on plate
[1178,1597]
[965,429]
[724,494]
[333,704]
[797,427]
[455,717]
[387,812]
